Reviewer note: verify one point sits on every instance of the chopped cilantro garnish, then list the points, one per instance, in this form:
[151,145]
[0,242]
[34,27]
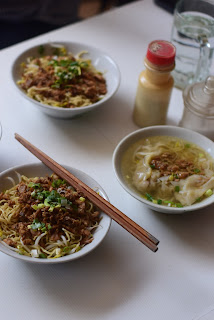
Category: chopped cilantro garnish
[56,85]
[66,70]
[41,49]
[37,225]
[177,188]
[43,256]
[159,201]
[149,197]
[56,51]
[57,183]
[196,170]
[178,205]
[34,185]
[75,207]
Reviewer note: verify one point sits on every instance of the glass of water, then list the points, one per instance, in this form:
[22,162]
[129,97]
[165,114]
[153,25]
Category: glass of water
[193,37]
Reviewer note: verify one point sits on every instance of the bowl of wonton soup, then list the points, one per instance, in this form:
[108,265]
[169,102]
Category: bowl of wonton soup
[169,169]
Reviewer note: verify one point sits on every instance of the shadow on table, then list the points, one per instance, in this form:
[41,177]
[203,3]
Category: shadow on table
[108,125]
[92,285]
[194,229]
[94,135]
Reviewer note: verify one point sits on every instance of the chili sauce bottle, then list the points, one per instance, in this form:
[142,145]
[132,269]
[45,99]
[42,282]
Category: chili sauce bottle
[155,85]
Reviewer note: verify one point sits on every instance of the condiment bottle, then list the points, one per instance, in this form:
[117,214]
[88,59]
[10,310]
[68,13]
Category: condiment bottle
[155,85]
[198,113]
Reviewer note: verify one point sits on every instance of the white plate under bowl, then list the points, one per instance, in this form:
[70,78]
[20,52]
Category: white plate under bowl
[101,61]
[174,131]
[40,170]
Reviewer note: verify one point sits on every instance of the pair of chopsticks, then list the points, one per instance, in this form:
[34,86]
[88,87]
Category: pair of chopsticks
[138,232]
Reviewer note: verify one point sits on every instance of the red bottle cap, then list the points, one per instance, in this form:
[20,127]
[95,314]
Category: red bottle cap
[161,53]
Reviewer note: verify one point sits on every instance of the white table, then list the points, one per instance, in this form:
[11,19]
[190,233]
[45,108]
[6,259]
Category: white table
[121,279]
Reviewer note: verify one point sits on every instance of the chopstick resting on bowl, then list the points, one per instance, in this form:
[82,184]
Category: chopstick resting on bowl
[138,232]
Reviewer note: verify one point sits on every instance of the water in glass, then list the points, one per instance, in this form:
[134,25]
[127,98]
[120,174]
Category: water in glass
[190,29]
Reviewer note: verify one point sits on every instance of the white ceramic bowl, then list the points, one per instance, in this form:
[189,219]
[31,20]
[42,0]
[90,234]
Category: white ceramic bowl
[182,133]
[39,169]
[100,60]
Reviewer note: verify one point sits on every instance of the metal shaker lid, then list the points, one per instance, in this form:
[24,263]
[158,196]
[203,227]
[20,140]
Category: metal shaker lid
[199,98]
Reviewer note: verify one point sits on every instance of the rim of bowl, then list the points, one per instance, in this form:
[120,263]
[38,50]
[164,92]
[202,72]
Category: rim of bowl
[85,108]
[66,258]
[157,130]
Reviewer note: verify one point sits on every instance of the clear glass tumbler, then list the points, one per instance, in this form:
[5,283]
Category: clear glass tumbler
[193,37]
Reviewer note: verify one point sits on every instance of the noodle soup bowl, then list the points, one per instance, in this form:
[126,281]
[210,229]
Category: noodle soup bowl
[12,175]
[99,59]
[170,131]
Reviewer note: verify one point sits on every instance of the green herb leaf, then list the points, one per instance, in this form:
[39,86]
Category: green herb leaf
[196,170]
[57,183]
[187,145]
[177,188]
[178,205]
[41,49]
[149,197]
[34,185]
[37,225]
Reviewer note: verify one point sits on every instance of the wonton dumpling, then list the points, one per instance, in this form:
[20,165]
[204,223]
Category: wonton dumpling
[194,187]
[144,178]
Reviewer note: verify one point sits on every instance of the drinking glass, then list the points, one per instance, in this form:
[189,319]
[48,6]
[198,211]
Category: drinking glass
[193,37]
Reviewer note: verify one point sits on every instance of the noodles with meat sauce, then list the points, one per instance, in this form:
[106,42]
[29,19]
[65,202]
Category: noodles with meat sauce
[62,80]
[46,218]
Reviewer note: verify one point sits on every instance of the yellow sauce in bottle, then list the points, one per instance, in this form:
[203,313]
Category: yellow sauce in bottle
[154,88]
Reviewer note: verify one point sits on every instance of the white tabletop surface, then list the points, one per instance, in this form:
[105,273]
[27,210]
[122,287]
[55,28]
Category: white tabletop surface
[121,279]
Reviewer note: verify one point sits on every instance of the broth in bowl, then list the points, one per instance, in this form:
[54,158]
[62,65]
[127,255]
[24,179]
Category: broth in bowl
[169,171]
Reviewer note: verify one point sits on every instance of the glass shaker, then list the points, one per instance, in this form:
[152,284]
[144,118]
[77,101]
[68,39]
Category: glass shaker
[198,114]
[155,85]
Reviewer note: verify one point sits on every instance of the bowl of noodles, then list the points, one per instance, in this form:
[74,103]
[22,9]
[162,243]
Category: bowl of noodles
[45,220]
[65,79]
[169,169]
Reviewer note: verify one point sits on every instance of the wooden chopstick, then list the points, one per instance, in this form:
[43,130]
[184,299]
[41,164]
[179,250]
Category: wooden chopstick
[138,232]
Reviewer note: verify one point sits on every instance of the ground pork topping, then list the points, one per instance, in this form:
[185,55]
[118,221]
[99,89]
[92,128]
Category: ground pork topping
[167,164]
